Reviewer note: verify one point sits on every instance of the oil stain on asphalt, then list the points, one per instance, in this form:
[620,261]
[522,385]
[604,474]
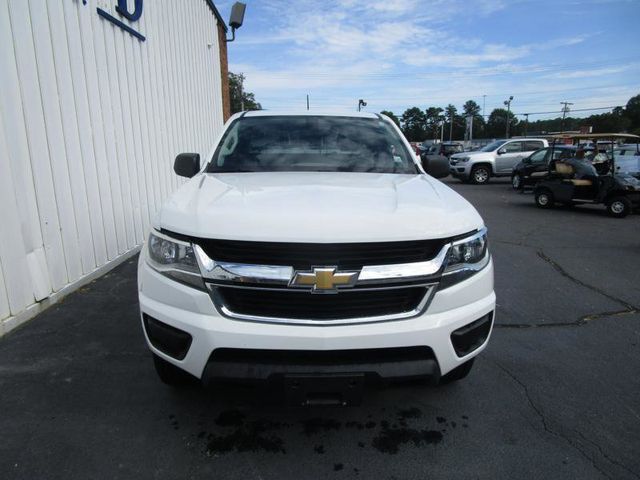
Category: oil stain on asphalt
[406,428]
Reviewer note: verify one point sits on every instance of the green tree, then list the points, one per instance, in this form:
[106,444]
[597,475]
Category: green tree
[471,108]
[632,112]
[391,115]
[237,95]
[497,123]
[413,124]
[434,117]
[451,114]
[612,122]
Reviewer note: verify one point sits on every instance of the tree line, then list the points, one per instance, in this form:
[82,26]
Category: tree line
[429,124]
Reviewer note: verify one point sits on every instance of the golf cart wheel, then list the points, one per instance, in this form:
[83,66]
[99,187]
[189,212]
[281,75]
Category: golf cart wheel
[457,373]
[544,198]
[480,175]
[170,374]
[516,182]
[619,207]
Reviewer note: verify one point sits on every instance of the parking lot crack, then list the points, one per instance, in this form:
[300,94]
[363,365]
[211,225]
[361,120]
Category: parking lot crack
[629,309]
[602,452]
[570,277]
[545,423]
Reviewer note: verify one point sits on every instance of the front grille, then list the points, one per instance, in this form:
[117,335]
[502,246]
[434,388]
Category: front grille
[287,304]
[303,256]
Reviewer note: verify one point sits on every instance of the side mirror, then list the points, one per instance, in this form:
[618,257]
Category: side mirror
[501,151]
[436,166]
[187,164]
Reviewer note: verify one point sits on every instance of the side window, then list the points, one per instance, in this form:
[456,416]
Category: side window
[538,157]
[512,147]
[532,145]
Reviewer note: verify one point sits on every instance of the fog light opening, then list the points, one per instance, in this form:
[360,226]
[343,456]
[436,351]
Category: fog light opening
[169,340]
[470,337]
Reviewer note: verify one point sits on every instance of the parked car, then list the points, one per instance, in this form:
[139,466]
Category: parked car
[445,149]
[536,166]
[494,160]
[627,159]
[320,257]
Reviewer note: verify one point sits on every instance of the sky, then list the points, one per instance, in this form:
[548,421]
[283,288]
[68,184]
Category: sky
[396,54]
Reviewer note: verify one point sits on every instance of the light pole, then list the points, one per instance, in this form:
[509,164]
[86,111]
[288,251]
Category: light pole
[484,101]
[508,104]
[526,123]
[565,109]
[361,103]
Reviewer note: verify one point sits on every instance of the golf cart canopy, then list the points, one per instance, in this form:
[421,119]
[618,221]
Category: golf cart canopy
[594,136]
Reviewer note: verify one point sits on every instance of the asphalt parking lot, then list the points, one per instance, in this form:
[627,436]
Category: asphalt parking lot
[556,394]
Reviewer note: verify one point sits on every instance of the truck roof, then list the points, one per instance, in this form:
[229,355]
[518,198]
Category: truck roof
[309,113]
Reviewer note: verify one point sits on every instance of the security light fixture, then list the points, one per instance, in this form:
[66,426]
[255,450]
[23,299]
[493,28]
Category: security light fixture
[236,18]
[361,103]
[508,105]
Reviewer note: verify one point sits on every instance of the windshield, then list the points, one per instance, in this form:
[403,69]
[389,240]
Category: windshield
[492,146]
[311,144]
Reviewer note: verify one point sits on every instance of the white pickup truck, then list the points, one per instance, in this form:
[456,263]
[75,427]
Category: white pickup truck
[313,249]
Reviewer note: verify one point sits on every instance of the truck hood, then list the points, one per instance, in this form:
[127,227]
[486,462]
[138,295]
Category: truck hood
[317,207]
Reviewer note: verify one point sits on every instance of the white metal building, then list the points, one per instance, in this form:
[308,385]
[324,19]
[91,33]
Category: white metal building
[96,99]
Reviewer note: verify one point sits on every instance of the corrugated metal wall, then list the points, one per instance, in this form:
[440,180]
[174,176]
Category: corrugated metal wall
[91,119]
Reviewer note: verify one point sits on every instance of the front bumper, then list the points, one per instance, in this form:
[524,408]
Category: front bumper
[459,169]
[192,311]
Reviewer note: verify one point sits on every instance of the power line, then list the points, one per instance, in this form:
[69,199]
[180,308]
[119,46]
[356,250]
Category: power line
[573,110]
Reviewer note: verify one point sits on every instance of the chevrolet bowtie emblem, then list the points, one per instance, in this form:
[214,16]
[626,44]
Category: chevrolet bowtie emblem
[324,279]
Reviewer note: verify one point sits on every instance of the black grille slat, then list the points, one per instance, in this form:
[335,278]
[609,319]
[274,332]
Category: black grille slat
[306,255]
[286,304]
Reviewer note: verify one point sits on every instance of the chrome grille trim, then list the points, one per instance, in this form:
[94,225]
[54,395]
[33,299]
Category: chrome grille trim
[281,275]
[422,306]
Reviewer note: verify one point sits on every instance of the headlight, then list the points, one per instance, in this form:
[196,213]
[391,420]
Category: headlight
[465,258]
[464,159]
[174,258]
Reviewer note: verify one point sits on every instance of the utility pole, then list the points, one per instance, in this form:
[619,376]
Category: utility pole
[241,92]
[526,123]
[307,101]
[508,104]
[565,109]
[484,101]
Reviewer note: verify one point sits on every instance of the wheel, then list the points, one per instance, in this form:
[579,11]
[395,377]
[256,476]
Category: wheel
[516,182]
[457,373]
[619,207]
[480,174]
[544,198]
[170,374]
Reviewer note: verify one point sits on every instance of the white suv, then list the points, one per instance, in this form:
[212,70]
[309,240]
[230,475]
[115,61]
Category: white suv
[315,250]
[496,159]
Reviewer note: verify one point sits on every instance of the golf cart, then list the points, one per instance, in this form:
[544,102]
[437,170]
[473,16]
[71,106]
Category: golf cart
[573,181]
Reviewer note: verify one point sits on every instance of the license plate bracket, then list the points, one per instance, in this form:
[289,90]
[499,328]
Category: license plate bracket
[324,389]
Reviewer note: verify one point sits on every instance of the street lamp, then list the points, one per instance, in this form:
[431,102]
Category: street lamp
[361,103]
[508,104]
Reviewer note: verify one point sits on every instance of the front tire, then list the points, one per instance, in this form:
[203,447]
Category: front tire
[170,374]
[619,207]
[544,198]
[457,373]
[516,182]
[480,175]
